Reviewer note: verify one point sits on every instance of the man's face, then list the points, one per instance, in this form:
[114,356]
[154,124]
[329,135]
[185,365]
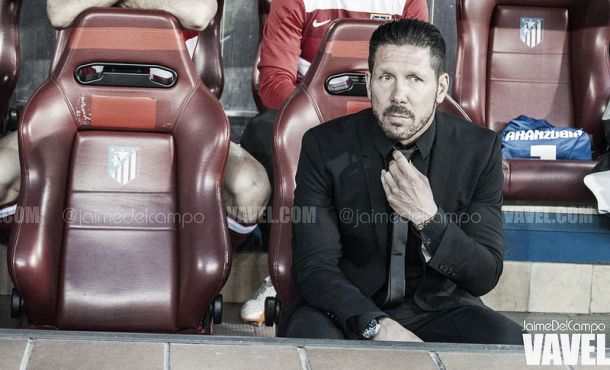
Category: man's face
[404,91]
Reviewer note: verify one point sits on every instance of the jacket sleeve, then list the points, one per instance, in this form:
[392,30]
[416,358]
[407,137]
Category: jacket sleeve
[317,245]
[472,254]
[280,51]
[417,9]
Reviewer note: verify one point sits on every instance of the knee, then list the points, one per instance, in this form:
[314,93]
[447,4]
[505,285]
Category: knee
[500,329]
[252,187]
[246,186]
[249,203]
[9,167]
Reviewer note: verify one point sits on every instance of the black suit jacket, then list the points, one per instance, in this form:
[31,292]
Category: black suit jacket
[339,260]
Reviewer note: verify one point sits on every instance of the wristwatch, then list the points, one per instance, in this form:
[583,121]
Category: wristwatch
[420,227]
[372,329]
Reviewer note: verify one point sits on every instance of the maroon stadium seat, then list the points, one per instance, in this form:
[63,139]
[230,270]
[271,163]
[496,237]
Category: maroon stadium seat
[9,71]
[126,173]
[562,74]
[344,50]
[207,56]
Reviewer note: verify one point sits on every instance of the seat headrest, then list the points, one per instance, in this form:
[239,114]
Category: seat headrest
[126,36]
[344,48]
[335,79]
[126,69]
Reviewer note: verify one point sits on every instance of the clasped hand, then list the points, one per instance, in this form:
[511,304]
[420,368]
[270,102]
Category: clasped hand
[408,190]
[392,331]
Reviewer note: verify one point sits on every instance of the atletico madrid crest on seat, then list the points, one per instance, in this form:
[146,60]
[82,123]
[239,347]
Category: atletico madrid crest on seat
[530,31]
[123,163]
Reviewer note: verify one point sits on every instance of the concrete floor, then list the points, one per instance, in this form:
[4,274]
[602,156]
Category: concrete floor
[33,349]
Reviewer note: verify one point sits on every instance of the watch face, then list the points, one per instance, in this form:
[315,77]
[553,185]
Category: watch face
[371,329]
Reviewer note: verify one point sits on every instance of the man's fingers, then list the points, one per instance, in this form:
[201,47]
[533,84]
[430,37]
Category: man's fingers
[405,182]
[386,190]
[402,162]
[393,168]
[405,166]
[391,185]
[399,176]
[393,331]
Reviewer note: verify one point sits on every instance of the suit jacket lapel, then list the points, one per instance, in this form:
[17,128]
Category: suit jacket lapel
[370,164]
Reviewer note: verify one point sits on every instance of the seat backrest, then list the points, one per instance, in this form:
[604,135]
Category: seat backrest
[543,58]
[339,65]
[207,56]
[10,53]
[125,171]
[264,7]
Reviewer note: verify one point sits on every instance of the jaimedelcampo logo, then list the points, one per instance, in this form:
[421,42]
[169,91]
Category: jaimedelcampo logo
[565,348]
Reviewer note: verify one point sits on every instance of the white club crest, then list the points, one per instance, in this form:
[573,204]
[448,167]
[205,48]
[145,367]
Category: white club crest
[530,31]
[123,163]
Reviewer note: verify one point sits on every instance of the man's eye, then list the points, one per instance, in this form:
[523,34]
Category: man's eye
[414,78]
[385,77]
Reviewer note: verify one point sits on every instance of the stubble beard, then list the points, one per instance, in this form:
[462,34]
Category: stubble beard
[405,132]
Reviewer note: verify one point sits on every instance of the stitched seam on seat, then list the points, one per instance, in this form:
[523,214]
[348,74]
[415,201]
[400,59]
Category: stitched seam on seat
[68,103]
[184,103]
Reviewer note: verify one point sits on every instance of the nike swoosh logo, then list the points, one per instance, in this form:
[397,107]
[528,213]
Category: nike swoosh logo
[319,24]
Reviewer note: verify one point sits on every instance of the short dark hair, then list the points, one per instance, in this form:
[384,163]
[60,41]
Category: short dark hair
[407,31]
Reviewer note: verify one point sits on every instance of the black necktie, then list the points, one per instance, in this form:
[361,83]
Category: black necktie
[396,272]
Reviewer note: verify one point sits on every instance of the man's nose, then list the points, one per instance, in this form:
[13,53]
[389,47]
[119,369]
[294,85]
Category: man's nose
[400,93]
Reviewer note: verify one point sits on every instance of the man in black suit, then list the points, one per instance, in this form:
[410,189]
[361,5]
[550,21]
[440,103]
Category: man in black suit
[400,249]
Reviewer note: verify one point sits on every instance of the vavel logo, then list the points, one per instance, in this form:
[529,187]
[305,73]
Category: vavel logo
[584,348]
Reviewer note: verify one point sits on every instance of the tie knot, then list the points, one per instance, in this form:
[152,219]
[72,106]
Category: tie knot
[407,152]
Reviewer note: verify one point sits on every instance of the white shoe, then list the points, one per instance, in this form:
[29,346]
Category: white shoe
[253,311]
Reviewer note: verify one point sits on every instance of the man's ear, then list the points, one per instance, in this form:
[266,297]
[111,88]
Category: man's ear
[367,77]
[443,86]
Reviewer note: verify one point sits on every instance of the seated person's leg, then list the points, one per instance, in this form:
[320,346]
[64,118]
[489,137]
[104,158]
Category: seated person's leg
[309,322]
[9,168]
[468,324]
[257,139]
[246,191]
